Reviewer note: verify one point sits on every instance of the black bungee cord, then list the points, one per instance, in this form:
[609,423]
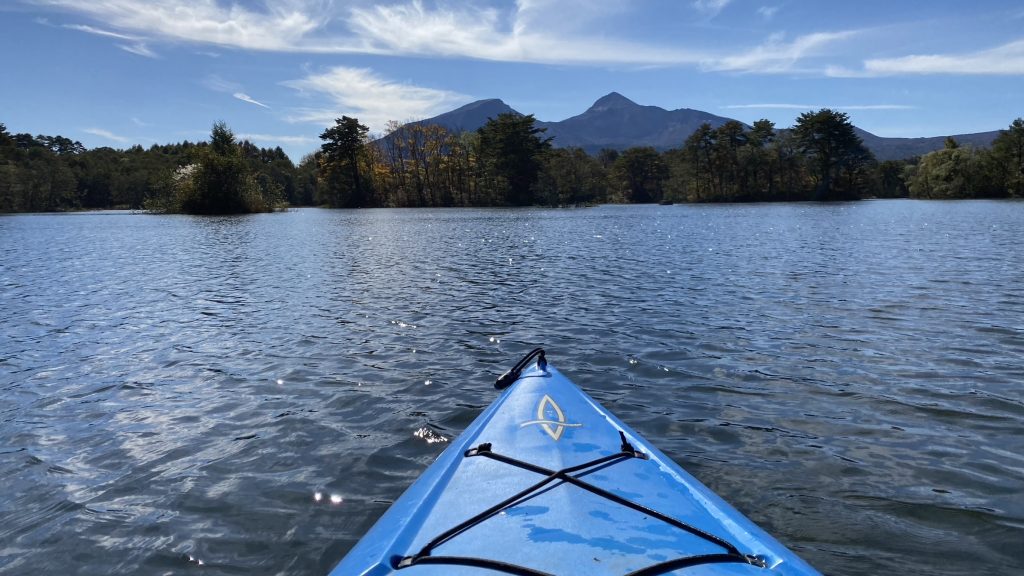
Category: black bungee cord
[571,476]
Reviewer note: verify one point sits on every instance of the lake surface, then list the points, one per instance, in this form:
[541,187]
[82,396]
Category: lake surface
[250,393]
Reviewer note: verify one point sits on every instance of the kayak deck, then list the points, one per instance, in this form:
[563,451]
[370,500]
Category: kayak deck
[547,482]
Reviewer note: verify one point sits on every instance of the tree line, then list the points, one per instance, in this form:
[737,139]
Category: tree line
[507,162]
[43,173]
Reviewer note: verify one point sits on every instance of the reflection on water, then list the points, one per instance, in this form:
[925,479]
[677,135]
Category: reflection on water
[175,388]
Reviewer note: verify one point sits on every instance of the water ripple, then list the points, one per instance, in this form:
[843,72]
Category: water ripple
[249,394]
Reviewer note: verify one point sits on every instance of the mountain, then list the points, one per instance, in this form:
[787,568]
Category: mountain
[471,116]
[616,122]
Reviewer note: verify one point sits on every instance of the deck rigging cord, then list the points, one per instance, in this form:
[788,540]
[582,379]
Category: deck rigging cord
[571,475]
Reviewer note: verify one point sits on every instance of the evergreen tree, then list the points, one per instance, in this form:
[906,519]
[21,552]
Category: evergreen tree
[639,175]
[511,153]
[1008,152]
[700,180]
[891,179]
[838,156]
[341,156]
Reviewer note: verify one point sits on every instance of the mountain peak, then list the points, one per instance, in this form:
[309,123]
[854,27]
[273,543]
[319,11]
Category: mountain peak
[489,103]
[611,101]
[471,116]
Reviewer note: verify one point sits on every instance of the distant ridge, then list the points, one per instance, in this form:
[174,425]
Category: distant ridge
[901,148]
[616,122]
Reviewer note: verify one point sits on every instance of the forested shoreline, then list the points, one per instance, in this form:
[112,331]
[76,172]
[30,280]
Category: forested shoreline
[507,162]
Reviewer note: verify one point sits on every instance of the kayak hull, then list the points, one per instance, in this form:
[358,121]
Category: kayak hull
[633,510]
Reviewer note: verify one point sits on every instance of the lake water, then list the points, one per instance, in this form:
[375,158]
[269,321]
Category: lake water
[250,393]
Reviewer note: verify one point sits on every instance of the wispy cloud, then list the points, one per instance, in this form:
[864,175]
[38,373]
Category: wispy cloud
[710,7]
[108,135]
[778,56]
[136,44]
[543,31]
[783,106]
[279,140]
[565,32]
[280,27]
[362,93]
[1005,60]
[565,16]
[219,84]
[274,139]
[99,31]
[139,48]
[246,98]
[484,33]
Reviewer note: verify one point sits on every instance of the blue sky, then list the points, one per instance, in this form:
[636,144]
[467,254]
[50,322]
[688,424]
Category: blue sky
[123,72]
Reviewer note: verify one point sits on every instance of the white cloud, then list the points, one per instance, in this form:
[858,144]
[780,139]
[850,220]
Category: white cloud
[777,56]
[413,29]
[783,106]
[572,32]
[1005,60]
[206,21]
[361,93]
[543,31]
[483,33]
[246,98]
[107,134]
